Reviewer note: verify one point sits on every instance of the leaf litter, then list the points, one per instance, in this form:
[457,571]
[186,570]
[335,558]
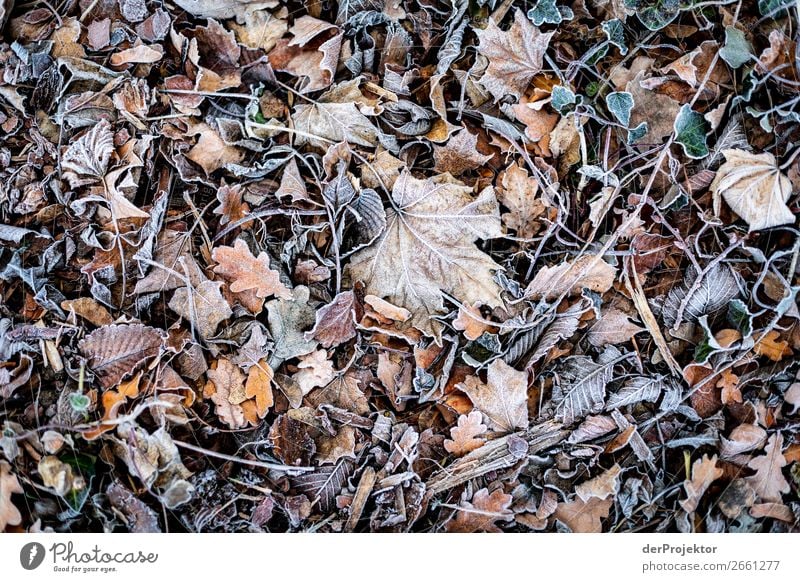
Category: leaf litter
[399,266]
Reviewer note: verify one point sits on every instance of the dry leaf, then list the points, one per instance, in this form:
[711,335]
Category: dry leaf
[9,514]
[229,393]
[204,306]
[742,439]
[614,327]
[211,152]
[520,194]
[471,322]
[250,277]
[769,482]
[482,513]
[603,486]
[586,272]
[515,56]
[584,516]
[460,154]
[86,159]
[115,351]
[428,246]
[464,435]
[503,400]
[704,472]
[259,387]
[331,449]
[315,370]
[754,188]
[770,346]
[336,322]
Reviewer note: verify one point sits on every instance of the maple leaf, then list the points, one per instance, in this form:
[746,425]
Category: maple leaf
[769,482]
[464,435]
[9,514]
[115,351]
[754,188]
[481,514]
[514,56]
[250,277]
[704,472]
[204,306]
[503,400]
[428,248]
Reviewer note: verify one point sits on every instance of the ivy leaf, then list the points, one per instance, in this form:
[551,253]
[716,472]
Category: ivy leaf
[655,14]
[561,98]
[690,131]
[546,11]
[774,7]
[615,34]
[737,50]
[620,104]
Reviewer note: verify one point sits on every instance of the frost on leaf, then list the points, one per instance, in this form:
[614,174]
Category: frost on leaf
[428,247]
[503,400]
[515,55]
[754,188]
[115,351]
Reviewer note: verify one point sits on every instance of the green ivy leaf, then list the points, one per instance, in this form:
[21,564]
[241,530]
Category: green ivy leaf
[737,51]
[562,98]
[774,7]
[690,131]
[546,11]
[655,14]
[79,402]
[616,34]
[620,104]
[637,133]
[740,317]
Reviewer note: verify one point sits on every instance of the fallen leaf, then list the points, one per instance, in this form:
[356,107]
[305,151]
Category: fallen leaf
[466,436]
[9,484]
[769,482]
[204,306]
[586,272]
[315,369]
[87,158]
[229,392]
[515,56]
[770,346]
[755,189]
[460,154]
[249,277]
[519,192]
[428,246]
[336,322]
[503,400]
[482,513]
[584,516]
[614,327]
[331,449]
[704,473]
[603,486]
[116,351]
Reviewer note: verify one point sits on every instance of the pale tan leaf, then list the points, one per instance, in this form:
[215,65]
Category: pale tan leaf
[603,486]
[503,400]
[204,306]
[428,247]
[570,278]
[755,189]
[769,482]
[223,9]
[229,392]
[519,192]
[742,439]
[315,370]
[86,159]
[211,152]
[584,516]
[466,436]
[259,387]
[460,154]
[471,322]
[9,485]
[481,514]
[614,327]
[332,448]
[515,56]
[137,54]
[704,472]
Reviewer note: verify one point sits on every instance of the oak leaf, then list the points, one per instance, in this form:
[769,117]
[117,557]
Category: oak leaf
[259,387]
[755,189]
[704,472]
[584,516]
[315,369]
[466,436]
[503,400]
[515,56]
[229,392]
[250,277]
[769,482]
[481,514]
[519,192]
[428,248]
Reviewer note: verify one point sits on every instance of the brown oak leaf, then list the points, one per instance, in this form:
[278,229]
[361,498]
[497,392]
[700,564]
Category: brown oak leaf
[704,472]
[250,277]
[769,482]
[481,514]
[466,436]
[584,516]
